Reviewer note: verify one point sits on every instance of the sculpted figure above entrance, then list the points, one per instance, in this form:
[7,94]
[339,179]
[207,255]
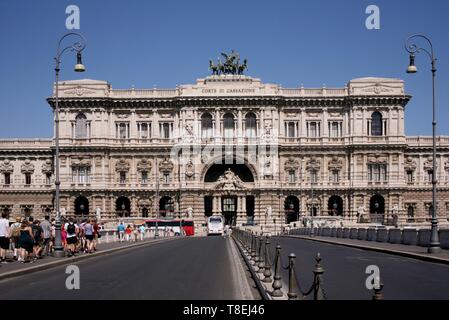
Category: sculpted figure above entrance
[229,181]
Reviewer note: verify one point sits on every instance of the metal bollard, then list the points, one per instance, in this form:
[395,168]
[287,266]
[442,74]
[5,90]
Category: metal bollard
[318,279]
[292,294]
[378,292]
[277,283]
[267,272]
[253,249]
[261,264]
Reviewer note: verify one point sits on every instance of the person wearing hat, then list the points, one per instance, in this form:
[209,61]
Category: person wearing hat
[15,235]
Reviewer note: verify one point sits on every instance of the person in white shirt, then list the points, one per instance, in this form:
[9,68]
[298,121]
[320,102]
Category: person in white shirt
[142,230]
[4,236]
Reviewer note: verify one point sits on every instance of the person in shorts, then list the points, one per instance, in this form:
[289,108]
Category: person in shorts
[4,236]
[89,235]
[15,235]
[72,230]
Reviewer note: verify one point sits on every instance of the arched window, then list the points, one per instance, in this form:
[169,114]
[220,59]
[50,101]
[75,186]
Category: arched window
[229,126]
[376,124]
[206,126]
[251,125]
[410,213]
[80,126]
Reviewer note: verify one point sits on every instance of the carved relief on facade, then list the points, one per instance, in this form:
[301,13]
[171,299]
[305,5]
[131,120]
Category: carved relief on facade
[229,181]
[6,167]
[47,167]
[377,159]
[428,164]
[313,164]
[335,164]
[144,165]
[291,164]
[122,165]
[166,166]
[81,162]
[27,167]
[190,169]
[409,164]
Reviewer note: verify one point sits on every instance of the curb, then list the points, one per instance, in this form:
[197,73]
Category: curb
[263,293]
[63,261]
[417,256]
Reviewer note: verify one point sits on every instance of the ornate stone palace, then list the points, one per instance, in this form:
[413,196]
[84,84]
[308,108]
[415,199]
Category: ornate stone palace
[233,145]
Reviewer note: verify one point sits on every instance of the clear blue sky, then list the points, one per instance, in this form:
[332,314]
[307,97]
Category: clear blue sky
[165,43]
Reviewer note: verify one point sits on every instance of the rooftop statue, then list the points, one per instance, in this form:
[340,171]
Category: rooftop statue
[231,64]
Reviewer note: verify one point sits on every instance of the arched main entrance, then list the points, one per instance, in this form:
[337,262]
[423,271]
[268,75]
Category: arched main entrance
[335,206]
[81,206]
[123,207]
[291,209]
[377,204]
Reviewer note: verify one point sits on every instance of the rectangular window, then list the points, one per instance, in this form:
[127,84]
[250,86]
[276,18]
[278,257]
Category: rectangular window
[410,177]
[335,176]
[166,130]
[144,130]
[27,178]
[429,175]
[144,177]
[291,129]
[122,130]
[7,178]
[122,177]
[313,129]
[377,172]
[48,178]
[335,129]
[313,176]
[292,176]
[166,177]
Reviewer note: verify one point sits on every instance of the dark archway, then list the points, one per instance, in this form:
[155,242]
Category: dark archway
[250,204]
[166,207]
[81,206]
[335,206]
[217,170]
[208,206]
[377,204]
[145,212]
[123,207]
[291,209]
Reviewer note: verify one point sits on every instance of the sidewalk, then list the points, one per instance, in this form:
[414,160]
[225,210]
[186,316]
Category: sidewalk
[15,268]
[409,251]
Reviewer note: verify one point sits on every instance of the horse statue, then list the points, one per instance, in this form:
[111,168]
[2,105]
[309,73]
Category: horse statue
[242,67]
[214,68]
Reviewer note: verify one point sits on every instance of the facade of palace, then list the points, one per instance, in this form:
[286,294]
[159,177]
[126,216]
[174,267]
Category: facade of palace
[229,144]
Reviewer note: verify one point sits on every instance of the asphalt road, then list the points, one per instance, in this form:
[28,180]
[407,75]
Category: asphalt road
[344,277]
[191,268]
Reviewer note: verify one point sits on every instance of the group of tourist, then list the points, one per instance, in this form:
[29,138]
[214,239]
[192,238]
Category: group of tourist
[131,233]
[30,239]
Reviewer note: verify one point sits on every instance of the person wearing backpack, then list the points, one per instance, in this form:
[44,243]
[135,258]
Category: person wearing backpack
[72,230]
[15,235]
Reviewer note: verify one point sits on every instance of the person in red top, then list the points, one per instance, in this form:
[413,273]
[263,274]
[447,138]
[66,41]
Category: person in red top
[128,232]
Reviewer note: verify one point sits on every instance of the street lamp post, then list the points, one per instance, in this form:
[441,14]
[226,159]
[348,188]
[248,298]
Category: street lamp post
[312,232]
[156,202]
[412,48]
[77,46]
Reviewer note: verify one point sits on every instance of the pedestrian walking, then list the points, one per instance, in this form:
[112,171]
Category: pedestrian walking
[97,235]
[128,232]
[26,242]
[89,235]
[37,236]
[46,236]
[72,231]
[4,236]
[142,230]
[14,239]
[121,231]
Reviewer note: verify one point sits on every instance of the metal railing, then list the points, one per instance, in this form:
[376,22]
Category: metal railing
[258,251]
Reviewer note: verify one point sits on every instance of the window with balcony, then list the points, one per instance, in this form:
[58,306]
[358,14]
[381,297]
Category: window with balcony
[250,125]
[377,172]
[313,129]
[335,129]
[291,129]
[144,130]
[166,130]
[206,126]
[81,175]
[122,130]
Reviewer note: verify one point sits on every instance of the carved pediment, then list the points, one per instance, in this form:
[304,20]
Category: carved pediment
[47,167]
[122,165]
[428,164]
[80,91]
[144,165]
[81,162]
[377,159]
[313,165]
[6,167]
[229,181]
[27,167]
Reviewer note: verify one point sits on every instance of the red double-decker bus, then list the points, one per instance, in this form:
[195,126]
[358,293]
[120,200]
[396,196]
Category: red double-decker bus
[174,224]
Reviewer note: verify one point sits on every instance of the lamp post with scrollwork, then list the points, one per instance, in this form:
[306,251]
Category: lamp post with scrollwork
[412,48]
[78,47]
